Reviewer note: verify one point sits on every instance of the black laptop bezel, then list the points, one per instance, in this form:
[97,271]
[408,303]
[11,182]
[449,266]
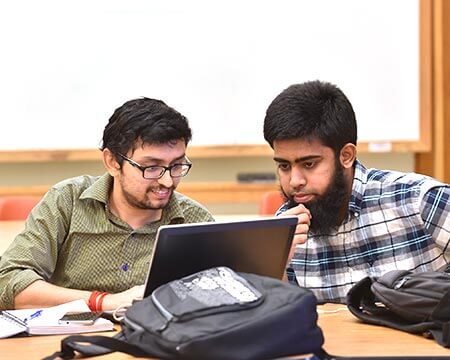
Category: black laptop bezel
[164,267]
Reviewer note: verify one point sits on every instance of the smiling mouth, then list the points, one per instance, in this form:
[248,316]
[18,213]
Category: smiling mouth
[161,193]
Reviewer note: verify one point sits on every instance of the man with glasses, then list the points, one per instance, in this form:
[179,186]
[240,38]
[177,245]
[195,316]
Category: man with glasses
[91,237]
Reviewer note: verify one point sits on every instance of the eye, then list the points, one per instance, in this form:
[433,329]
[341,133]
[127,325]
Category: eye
[309,164]
[153,168]
[176,167]
[283,166]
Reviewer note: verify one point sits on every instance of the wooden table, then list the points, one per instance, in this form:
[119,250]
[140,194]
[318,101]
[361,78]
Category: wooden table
[344,335]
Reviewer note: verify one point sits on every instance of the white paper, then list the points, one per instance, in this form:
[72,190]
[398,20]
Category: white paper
[9,327]
[47,322]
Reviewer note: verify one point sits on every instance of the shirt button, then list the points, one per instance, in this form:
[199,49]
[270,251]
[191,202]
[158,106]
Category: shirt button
[125,267]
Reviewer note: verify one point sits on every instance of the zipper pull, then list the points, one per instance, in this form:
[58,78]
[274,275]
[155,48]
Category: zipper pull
[163,327]
[400,283]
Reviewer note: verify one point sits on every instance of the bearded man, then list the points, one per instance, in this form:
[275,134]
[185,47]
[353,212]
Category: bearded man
[353,222]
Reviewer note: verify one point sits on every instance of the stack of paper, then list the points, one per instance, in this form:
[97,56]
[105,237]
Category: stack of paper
[45,321]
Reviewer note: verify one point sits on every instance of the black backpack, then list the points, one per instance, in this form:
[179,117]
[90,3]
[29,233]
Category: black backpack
[418,303]
[214,314]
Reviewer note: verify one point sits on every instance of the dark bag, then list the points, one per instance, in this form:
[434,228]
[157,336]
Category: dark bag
[418,303]
[213,314]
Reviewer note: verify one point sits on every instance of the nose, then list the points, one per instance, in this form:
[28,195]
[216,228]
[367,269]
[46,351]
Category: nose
[297,178]
[166,180]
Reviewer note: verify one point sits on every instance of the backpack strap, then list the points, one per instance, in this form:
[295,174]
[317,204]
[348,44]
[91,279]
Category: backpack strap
[96,345]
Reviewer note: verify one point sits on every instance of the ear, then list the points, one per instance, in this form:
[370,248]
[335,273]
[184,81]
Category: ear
[110,162]
[347,155]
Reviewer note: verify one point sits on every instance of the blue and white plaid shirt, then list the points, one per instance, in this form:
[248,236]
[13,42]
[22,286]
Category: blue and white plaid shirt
[395,221]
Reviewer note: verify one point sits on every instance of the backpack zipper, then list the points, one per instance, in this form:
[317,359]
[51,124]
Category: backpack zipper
[163,311]
[400,283]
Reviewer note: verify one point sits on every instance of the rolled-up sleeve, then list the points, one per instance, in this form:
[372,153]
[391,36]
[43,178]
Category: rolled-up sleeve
[34,252]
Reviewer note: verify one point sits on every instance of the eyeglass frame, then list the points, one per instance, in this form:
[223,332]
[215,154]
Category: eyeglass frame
[163,168]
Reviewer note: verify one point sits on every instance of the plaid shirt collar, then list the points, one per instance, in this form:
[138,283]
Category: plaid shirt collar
[358,188]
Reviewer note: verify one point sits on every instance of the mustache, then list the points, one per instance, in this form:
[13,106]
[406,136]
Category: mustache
[288,198]
[153,188]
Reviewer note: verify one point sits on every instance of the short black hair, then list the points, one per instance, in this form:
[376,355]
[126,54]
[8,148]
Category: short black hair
[146,121]
[313,110]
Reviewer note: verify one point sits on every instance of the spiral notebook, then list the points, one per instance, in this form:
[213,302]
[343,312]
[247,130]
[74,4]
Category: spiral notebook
[46,321]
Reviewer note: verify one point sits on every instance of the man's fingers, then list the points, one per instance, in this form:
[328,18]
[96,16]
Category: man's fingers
[297,210]
[302,229]
[299,239]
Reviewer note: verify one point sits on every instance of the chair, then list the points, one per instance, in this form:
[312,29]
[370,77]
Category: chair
[270,203]
[17,207]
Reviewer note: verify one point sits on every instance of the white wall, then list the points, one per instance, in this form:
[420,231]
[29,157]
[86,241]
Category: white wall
[67,64]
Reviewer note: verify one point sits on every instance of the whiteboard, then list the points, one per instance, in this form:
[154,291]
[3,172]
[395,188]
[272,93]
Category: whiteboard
[67,64]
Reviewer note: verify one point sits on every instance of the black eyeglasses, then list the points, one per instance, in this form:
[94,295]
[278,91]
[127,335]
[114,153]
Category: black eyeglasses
[157,172]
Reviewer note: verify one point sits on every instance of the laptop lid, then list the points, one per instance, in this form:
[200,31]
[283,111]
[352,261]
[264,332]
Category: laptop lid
[259,246]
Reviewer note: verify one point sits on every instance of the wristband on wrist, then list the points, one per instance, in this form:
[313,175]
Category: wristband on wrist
[100,301]
[96,300]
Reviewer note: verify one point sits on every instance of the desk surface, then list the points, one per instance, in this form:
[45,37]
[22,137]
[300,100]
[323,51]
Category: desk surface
[344,335]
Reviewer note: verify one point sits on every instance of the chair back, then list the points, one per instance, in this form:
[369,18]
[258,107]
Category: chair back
[17,207]
[270,203]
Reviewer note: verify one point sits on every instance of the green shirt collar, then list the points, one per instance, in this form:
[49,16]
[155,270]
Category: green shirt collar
[100,189]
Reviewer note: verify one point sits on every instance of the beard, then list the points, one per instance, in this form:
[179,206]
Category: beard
[326,209]
[145,203]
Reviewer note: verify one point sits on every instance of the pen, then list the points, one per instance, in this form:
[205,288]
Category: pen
[33,315]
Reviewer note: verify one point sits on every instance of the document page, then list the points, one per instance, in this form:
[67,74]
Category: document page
[9,327]
[45,321]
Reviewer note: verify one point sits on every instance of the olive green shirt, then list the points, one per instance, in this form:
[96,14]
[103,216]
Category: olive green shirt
[72,240]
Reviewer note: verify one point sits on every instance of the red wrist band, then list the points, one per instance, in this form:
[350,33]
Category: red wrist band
[96,300]
[92,302]
[100,301]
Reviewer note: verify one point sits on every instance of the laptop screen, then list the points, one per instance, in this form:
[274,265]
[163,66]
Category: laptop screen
[259,246]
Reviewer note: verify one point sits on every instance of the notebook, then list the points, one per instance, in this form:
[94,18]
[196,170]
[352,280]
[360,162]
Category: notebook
[260,246]
[45,321]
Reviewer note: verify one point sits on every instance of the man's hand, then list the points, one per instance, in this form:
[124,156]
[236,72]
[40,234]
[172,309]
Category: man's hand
[301,231]
[124,298]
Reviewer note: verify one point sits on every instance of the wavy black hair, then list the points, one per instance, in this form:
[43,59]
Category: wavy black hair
[313,110]
[143,121]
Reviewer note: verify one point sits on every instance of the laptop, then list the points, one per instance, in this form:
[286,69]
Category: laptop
[259,246]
